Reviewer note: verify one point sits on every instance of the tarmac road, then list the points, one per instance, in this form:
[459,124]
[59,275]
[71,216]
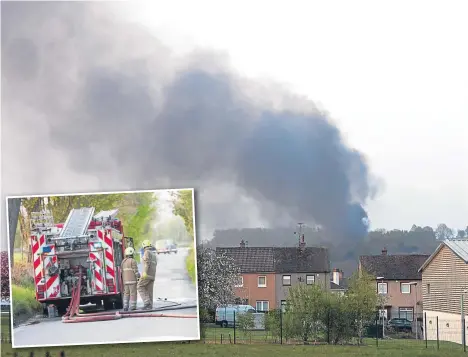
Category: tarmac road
[171,283]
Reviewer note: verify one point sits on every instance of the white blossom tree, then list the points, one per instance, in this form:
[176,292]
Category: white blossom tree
[217,277]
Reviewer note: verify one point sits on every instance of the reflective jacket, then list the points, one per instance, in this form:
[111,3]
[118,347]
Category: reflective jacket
[150,261]
[130,274]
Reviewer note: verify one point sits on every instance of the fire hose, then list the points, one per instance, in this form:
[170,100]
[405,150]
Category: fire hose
[72,315]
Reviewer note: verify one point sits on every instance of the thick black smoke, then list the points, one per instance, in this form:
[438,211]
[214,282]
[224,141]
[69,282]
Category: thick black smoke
[123,109]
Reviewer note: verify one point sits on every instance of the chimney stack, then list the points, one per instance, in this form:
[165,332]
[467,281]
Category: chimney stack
[384,251]
[337,276]
[242,244]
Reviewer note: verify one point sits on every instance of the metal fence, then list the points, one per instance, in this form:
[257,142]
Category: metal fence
[343,328]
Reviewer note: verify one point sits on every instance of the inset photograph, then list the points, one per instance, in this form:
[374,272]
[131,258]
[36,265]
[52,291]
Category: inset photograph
[103,268]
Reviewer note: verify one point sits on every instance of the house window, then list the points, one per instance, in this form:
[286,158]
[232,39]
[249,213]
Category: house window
[382,288]
[310,279]
[405,313]
[283,305]
[240,282]
[405,288]
[262,306]
[428,288]
[286,280]
[262,281]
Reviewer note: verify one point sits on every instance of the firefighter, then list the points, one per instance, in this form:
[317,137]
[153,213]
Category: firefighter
[130,276]
[146,282]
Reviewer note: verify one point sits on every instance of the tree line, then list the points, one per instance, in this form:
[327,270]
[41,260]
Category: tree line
[136,211]
[344,254]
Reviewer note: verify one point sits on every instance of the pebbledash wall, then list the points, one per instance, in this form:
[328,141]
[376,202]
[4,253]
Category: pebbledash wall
[450,327]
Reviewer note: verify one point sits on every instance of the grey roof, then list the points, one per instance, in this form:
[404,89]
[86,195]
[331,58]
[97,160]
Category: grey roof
[334,286]
[394,267]
[251,259]
[295,260]
[279,259]
[458,246]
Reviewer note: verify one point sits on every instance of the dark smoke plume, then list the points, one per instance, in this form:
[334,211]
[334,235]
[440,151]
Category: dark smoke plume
[117,105]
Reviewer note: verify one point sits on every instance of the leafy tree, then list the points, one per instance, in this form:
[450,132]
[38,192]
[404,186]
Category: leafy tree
[443,232]
[272,323]
[60,206]
[137,212]
[362,299]
[217,276]
[304,312]
[339,318]
[461,233]
[183,207]
[246,323]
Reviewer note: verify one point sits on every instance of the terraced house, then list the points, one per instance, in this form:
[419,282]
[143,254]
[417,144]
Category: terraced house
[267,273]
[445,290]
[398,280]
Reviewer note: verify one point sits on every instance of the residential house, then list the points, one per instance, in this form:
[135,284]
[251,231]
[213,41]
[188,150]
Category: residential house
[444,281]
[267,273]
[257,281]
[398,281]
[338,283]
[303,265]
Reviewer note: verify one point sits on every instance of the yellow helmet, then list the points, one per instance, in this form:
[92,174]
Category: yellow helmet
[129,251]
[146,243]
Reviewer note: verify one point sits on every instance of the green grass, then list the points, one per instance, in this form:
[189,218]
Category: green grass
[24,301]
[200,349]
[5,326]
[190,264]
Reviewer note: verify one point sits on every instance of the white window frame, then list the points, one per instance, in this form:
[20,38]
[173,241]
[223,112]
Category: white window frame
[384,285]
[241,282]
[312,276]
[286,276]
[263,304]
[258,281]
[406,310]
[405,284]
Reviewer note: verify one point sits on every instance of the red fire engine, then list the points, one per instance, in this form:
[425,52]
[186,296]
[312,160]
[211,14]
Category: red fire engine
[87,243]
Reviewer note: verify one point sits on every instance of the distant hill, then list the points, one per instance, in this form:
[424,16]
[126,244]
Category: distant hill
[343,254]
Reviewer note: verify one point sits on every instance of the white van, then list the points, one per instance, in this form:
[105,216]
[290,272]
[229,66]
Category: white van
[225,314]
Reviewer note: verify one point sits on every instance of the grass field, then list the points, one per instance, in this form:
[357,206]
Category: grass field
[200,349]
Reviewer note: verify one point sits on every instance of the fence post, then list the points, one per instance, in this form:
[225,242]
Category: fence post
[281,325]
[425,327]
[464,332]
[437,323]
[376,333]
[234,327]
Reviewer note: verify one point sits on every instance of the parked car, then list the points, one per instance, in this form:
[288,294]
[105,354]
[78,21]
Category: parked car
[166,246]
[172,248]
[400,325]
[225,314]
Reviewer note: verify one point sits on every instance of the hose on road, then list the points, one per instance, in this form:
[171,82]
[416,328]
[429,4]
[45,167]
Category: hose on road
[73,315]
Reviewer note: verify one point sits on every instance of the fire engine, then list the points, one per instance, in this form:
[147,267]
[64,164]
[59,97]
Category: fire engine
[87,243]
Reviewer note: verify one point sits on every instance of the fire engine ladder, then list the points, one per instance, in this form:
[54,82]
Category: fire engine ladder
[77,222]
